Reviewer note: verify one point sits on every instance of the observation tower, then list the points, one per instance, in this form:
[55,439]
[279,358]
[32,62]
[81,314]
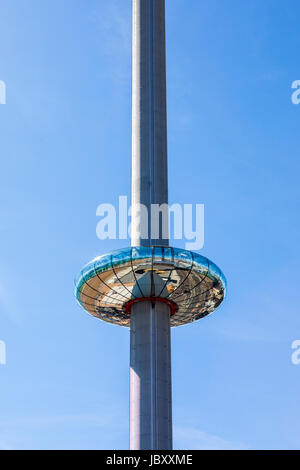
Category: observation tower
[150,286]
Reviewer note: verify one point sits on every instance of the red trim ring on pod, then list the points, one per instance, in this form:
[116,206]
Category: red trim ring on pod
[172,305]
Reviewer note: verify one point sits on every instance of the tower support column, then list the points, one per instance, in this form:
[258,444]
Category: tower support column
[150,377]
[149,179]
[150,350]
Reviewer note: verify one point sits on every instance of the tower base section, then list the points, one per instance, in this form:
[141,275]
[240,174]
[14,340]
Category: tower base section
[150,377]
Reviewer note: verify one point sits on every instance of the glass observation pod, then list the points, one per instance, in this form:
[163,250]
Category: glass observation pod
[191,284]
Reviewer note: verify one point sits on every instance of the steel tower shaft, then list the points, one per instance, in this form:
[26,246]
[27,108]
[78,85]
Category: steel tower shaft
[150,346]
[149,115]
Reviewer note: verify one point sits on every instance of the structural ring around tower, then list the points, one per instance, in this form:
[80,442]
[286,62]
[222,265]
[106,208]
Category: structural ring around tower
[192,284]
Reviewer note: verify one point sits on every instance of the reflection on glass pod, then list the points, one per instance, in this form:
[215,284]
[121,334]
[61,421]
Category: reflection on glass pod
[191,282]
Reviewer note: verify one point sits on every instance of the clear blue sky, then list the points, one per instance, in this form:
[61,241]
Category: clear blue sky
[65,148]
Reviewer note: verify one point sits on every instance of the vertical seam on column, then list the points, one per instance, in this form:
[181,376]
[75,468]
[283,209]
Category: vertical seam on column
[153,368]
[156,380]
[153,346]
[151,112]
[151,375]
[150,13]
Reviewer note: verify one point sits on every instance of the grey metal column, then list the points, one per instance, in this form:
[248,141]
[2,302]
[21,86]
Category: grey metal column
[149,115]
[150,347]
[150,377]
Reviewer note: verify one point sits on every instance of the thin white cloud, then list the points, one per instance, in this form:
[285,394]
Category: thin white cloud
[22,432]
[193,438]
[107,419]
[3,442]
[4,446]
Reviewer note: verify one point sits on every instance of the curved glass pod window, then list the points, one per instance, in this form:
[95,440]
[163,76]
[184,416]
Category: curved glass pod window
[195,284]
